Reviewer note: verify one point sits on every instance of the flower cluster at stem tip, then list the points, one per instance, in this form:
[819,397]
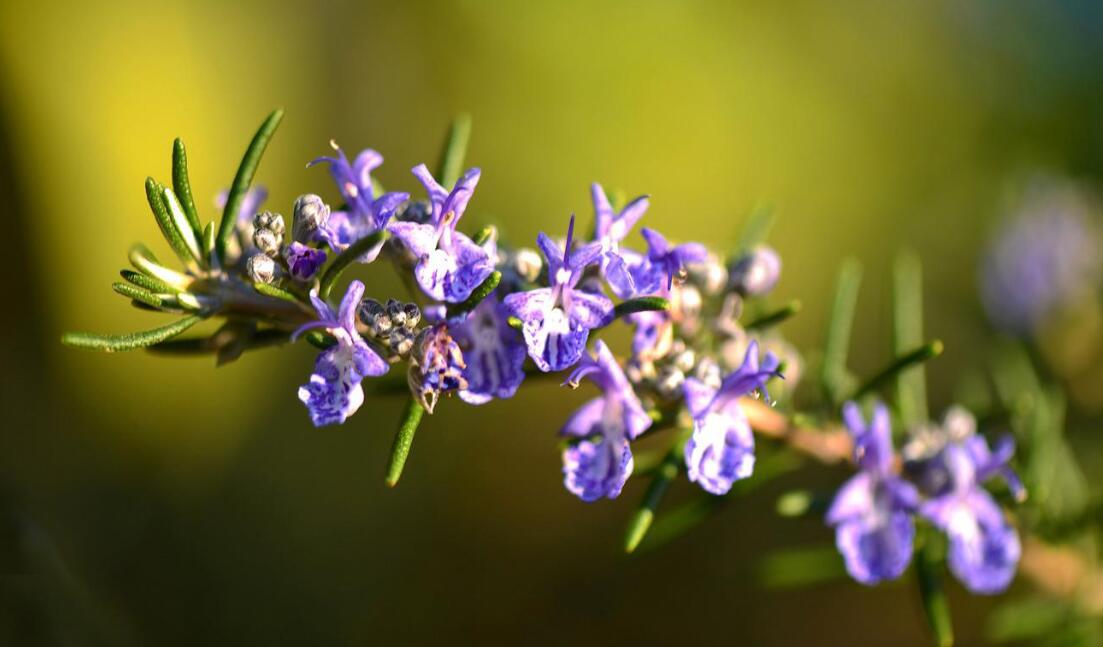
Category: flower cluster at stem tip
[482,317]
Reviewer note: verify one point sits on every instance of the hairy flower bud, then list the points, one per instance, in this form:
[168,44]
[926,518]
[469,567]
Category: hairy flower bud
[261,269]
[396,311]
[401,341]
[757,272]
[418,211]
[311,214]
[413,315]
[268,233]
[527,263]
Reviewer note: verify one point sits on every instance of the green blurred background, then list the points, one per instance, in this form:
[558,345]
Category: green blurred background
[155,501]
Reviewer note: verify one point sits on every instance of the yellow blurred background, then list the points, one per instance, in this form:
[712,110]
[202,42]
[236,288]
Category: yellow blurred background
[178,504]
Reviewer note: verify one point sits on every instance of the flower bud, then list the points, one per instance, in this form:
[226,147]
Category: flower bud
[527,263]
[415,211]
[269,220]
[413,315]
[396,311]
[261,269]
[401,341]
[311,214]
[374,315]
[757,272]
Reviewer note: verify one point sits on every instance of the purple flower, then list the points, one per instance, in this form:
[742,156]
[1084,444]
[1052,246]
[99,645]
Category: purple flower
[364,213]
[334,392]
[558,319]
[600,462]
[610,230]
[450,265]
[721,449]
[303,261]
[984,547]
[664,262]
[872,512]
[494,352]
[1047,257]
[438,366]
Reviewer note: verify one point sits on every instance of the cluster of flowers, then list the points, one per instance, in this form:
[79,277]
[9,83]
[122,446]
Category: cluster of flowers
[484,309]
[544,309]
[873,512]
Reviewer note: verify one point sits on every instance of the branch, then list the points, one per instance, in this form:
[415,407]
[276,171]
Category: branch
[1060,571]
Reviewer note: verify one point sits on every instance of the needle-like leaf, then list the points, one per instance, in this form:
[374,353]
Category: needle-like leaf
[181,184]
[351,254]
[403,440]
[244,177]
[454,152]
[130,341]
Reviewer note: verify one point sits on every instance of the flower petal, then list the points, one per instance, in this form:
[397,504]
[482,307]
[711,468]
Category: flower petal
[597,469]
[720,451]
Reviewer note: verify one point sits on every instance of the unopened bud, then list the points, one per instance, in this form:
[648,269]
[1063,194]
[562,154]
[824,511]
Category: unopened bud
[397,313]
[413,315]
[757,272]
[416,211]
[527,263]
[261,269]
[267,241]
[401,341]
[269,220]
[311,214]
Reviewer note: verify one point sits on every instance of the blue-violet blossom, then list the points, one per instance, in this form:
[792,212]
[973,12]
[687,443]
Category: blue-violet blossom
[364,213]
[984,547]
[494,353]
[664,262]
[721,449]
[872,512]
[334,392]
[558,319]
[609,230]
[450,265]
[600,462]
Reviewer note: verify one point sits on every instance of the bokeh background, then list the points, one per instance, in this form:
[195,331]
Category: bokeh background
[154,501]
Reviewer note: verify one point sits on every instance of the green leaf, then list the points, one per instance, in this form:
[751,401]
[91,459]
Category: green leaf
[186,249]
[641,520]
[180,220]
[181,184]
[834,374]
[917,356]
[907,318]
[244,177]
[150,283]
[112,343]
[774,318]
[144,261]
[928,570]
[485,234]
[757,228]
[351,254]
[454,152]
[477,295]
[144,296]
[403,440]
[640,304]
[277,292]
[209,243]
[320,340]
